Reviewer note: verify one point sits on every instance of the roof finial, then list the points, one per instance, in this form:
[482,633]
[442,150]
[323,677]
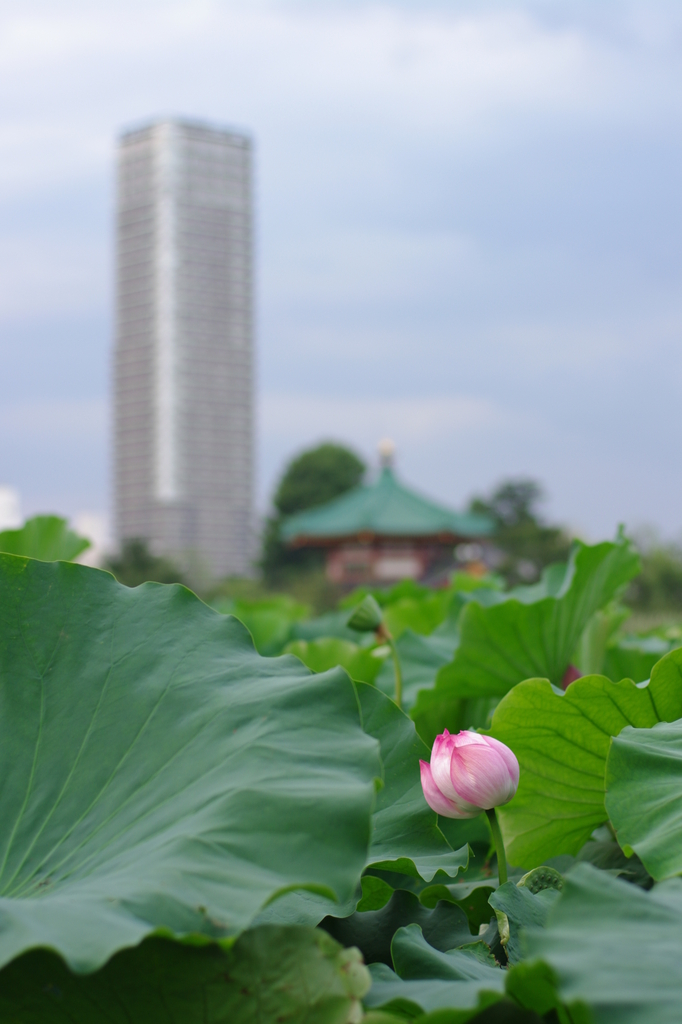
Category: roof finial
[386,452]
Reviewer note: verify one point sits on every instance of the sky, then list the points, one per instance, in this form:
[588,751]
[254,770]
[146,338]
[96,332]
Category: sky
[468,228]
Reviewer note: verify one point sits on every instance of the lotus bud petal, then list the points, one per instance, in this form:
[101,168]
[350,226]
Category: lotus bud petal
[440,803]
[468,773]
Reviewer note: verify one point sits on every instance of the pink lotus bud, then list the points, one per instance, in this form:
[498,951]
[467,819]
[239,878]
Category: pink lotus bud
[468,773]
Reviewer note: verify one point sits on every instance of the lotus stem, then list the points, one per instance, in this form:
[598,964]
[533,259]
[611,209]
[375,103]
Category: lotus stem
[384,635]
[499,845]
[398,672]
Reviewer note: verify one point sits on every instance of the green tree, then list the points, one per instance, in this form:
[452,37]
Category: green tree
[659,585]
[136,564]
[525,541]
[312,478]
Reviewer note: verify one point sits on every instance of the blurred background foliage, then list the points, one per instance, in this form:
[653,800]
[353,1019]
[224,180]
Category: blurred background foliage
[47,538]
[136,564]
[525,544]
[658,588]
[312,478]
[289,603]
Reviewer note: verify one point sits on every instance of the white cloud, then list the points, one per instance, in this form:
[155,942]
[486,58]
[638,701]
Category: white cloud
[75,73]
[96,528]
[394,146]
[425,430]
[301,418]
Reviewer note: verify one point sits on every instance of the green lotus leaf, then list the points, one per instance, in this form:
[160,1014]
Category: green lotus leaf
[455,986]
[634,657]
[561,741]
[434,1001]
[445,927]
[269,620]
[331,624]
[45,537]
[445,983]
[471,897]
[421,657]
[603,851]
[644,795]
[614,948]
[269,975]
[534,987]
[530,632]
[414,957]
[429,979]
[421,614]
[405,834]
[516,907]
[328,652]
[156,773]
[375,893]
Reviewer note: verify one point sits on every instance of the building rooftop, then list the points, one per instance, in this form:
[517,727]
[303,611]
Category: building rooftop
[384,508]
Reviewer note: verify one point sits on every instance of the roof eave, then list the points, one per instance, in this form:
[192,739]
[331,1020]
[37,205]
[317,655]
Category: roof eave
[442,538]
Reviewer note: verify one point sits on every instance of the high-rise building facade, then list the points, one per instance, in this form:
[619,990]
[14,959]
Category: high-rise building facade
[183,432]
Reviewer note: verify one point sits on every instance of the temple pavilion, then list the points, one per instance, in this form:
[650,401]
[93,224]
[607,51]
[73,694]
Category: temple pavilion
[382,532]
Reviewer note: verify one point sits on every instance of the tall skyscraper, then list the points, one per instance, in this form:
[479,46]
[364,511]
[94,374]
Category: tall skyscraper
[183,358]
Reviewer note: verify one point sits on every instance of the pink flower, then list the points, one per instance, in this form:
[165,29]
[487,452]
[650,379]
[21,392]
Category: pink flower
[468,773]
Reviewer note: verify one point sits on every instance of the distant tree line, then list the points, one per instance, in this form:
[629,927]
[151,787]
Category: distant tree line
[524,543]
[311,479]
[136,564]
[659,585]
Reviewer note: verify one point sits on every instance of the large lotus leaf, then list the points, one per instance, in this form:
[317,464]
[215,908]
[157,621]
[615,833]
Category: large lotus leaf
[634,657]
[45,537]
[533,986]
[519,637]
[445,927]
[382,1017]
[561,741]
[404,588]
[331,624]
[615,947]
[421,657]
[414,957]
[269,621]
[432,716]
[269,975]
[644,795]
[405,834]
[471,897]
[156,772]
[435,1001]
[517,907]
[413,997]
[430,979]
[328,652]
[447,983]
[420,614]
[604,853]
[375,893]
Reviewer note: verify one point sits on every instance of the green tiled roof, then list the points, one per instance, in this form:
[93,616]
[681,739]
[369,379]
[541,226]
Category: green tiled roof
[384,508]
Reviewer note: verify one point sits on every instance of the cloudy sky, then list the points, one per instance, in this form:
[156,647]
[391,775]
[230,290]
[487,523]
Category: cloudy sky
[468,235]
